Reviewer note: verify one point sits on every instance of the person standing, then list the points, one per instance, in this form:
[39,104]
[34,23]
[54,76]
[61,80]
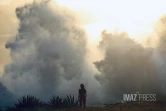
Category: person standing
[82,96]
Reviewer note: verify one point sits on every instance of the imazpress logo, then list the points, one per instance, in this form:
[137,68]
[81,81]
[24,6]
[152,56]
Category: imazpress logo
[139,97]
[5,2]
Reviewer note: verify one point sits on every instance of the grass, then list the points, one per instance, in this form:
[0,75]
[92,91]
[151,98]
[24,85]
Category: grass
[29,101]
[116,107]
[32,103]
[69,103]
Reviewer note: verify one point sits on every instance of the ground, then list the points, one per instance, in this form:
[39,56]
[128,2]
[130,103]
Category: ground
[131,106]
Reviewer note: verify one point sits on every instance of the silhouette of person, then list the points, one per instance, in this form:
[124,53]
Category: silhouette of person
[82,96]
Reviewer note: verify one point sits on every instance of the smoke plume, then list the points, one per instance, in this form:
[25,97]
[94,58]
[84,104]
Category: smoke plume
[48,53]
[50,56]
[49,47]
[127,67]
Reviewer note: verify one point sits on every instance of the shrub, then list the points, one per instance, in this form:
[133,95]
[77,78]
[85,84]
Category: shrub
[28,101]
[69,101]
[56,102]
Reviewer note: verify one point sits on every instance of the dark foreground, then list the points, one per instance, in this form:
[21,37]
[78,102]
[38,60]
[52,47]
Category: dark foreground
[131,106]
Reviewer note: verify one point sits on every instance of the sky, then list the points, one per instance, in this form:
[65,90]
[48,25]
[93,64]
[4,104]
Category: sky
[136,17]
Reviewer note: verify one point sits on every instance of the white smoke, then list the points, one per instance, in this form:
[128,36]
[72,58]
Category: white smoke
[127,67]
[48,54]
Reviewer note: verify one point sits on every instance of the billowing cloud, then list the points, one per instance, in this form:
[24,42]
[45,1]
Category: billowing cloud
[50,46]
[50,55]
[127,67]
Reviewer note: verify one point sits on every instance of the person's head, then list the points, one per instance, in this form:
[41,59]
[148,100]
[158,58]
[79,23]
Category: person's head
[82,86]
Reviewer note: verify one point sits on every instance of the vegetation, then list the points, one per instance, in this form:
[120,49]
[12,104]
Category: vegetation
[32,103]
[69,103]
[29,101]
[56,102]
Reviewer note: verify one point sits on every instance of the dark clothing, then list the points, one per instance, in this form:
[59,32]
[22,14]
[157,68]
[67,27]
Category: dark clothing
[82,92]
[82,100]
[82,97]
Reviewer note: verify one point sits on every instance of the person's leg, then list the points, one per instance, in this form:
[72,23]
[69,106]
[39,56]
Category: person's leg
[80,102]
[84,102]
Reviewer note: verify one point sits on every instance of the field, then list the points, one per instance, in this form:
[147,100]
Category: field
[131,106]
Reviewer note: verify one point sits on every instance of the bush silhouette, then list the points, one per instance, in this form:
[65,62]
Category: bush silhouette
[56,102]
[69,101]
[31,102]
[28,101]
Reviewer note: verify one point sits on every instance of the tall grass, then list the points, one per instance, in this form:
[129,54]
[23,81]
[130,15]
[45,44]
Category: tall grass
[70,103]
[67,102]
[29,101]
[56,102]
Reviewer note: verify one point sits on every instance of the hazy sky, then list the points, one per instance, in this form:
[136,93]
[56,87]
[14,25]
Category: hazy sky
[137,17]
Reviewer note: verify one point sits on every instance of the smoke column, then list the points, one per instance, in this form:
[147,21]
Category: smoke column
[127,67]
[50,56]
[48,53]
